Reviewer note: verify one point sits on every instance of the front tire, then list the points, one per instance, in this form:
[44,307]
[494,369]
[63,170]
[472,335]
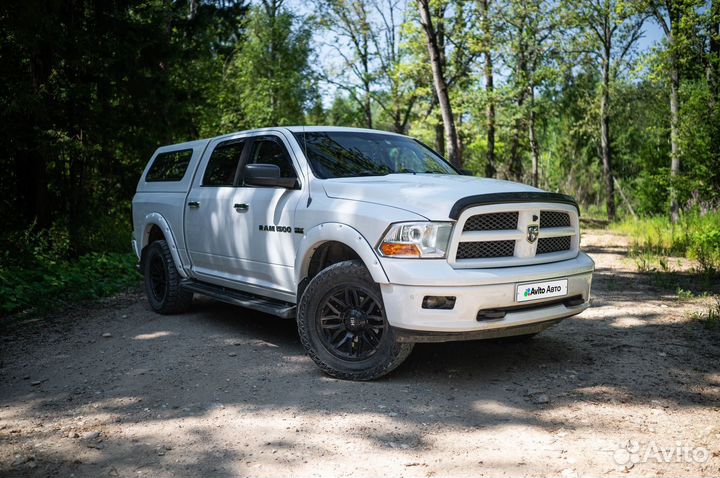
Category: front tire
[162,280]
[343,327]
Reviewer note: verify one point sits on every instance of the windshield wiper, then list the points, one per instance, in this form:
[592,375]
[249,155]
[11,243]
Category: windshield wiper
[362,174]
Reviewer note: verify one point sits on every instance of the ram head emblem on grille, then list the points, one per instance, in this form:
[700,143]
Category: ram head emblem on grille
[532,233]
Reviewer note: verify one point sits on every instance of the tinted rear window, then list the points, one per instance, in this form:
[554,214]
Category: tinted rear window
[170,166]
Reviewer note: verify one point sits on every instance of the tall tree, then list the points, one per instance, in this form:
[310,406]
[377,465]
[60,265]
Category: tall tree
[608,35]
[90,89]
[488,39]
[440,83]
[530,29]
[394,73]
[349,21]
[674,18]
[268,81]
[713,57]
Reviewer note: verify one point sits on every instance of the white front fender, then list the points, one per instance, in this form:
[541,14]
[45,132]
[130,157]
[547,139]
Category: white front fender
[155,219]
[332,231]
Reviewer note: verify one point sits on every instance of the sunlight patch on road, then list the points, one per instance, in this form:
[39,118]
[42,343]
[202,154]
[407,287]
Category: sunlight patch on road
[627,322]
[493,407]
[251,342]
[154,335]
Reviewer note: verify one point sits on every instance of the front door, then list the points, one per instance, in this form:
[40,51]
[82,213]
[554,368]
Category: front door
[243,236]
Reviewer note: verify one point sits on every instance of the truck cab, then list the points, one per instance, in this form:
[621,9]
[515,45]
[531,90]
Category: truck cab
[369,239]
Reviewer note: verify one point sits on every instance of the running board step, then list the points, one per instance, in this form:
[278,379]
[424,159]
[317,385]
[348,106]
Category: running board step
[278,308]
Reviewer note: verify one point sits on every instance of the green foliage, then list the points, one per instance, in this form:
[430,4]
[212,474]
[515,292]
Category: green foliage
[684,294]
[696,236]
[268,81]
[705,247]
[710,318]
[41,286]
[90,89]
[344,112]
[36,273]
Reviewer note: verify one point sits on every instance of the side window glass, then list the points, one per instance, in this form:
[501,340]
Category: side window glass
[223,164]
[169,166]
[273,152]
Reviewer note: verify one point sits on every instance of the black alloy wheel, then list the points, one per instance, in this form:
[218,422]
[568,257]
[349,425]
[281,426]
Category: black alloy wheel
[352,323]
[163,283]
[343,325]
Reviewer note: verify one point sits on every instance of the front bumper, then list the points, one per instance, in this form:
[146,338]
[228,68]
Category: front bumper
[403,303]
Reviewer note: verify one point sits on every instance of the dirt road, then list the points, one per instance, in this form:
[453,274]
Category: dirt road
[630,386]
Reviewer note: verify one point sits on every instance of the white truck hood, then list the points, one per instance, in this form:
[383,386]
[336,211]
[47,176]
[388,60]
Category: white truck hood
[429,195]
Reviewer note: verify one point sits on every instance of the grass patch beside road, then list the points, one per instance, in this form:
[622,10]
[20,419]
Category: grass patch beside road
[696,236]
[657,248]
[42,284]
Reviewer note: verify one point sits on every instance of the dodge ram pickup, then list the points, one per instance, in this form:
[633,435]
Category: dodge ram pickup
[369,239]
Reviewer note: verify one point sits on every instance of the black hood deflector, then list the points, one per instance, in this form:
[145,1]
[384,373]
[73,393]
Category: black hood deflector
[516,197]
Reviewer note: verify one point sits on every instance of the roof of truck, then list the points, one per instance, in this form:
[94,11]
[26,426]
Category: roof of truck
[291,129]
[310,129]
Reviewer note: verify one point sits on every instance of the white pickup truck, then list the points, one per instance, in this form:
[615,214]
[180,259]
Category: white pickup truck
[371,240]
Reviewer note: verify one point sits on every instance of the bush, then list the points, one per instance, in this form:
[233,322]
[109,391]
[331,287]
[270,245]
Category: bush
[694,236]
[705,247]
[38,270]
[43,285]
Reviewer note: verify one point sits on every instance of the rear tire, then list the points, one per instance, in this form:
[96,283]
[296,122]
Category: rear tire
[162,280]
[343,327]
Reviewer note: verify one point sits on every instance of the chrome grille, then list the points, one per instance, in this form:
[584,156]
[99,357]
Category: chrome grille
[554,219]
[505,235]
[546,245]
[492,222]
[485,249]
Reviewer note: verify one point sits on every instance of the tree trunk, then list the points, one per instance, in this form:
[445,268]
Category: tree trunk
[40,68]
[453,151]
[674,134]
[490,169]
[534,148]
[440,139]
[605,137]
[713,61]
[367,107]
[271,12]
[516,167]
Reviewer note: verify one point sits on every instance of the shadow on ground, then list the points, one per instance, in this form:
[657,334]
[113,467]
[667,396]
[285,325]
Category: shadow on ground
[160,370]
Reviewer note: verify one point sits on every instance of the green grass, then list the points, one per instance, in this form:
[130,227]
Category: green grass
[709,318]
[42,284]
[695,236]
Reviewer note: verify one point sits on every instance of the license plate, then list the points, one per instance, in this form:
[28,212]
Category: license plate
[541,290]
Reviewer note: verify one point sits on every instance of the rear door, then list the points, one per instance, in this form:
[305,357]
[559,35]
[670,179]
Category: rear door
[209,220]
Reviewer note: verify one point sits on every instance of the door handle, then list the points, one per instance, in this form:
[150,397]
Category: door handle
[241,207]
[193,204]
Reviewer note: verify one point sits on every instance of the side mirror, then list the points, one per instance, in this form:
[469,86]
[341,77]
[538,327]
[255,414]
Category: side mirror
[466,172]
[266,175]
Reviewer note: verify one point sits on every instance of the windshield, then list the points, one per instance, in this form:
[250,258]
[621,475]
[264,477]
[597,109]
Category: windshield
[350,154]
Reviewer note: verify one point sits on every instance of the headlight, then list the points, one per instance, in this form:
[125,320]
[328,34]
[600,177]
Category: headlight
[416,239]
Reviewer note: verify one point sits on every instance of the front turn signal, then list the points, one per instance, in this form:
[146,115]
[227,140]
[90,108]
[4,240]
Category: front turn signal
[399,250]
[416,240]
